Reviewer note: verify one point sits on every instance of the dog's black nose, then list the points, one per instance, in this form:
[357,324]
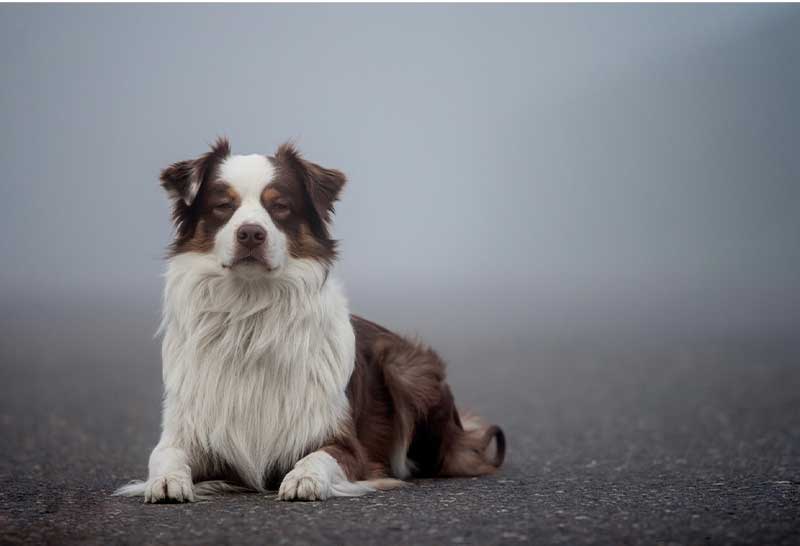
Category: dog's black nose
[251,235]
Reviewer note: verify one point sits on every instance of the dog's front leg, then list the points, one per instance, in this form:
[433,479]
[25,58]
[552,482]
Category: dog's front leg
[170,476]
[321,474]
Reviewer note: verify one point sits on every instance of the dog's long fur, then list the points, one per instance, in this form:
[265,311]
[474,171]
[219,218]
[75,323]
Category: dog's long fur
[269,381]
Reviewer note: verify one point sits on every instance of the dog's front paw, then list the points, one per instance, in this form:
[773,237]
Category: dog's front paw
[304,484]
[175,487]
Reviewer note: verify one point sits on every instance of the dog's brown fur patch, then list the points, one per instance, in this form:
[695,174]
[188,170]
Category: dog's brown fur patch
[311,191]
[400,400]
[213,207]
[189,185]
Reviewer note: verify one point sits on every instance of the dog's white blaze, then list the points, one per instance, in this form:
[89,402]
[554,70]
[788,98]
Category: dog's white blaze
[255,372]
[248,175]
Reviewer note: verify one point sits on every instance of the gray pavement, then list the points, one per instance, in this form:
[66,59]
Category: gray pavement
[691,440]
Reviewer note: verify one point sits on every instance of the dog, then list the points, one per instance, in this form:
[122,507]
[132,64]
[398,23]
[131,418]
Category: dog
[270,382]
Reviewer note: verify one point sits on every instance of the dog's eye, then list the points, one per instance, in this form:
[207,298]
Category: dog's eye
[280,208]
[223,208]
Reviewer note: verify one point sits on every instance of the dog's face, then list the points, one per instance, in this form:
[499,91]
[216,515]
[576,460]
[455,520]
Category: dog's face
[253,213]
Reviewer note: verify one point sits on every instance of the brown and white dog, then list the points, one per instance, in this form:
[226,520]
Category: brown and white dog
[269,380]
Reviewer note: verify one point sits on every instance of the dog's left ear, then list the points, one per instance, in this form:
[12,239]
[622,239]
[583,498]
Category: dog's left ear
[321,184]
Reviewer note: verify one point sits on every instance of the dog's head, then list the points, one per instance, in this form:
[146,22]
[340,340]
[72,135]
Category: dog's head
[253,213]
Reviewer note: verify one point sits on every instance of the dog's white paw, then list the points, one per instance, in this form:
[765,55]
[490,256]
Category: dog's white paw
[175,487]
[304,483]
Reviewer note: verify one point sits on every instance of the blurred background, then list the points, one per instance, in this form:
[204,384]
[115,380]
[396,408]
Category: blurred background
[590,211]
[632,165]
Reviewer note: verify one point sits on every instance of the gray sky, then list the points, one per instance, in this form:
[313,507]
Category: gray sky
[512,161]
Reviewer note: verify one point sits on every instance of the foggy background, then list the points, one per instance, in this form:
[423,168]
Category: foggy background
[516,173]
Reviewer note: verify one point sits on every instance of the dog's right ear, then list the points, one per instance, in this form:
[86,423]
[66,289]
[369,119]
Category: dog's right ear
[183,179]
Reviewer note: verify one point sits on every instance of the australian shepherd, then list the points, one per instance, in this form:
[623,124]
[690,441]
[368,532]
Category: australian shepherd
[269,381]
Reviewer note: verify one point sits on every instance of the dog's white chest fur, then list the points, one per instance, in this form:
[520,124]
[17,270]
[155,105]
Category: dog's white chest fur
[255,374]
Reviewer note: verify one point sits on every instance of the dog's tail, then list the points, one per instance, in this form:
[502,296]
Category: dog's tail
[477,449]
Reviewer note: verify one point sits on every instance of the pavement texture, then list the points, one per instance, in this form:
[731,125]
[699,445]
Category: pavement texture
[639,441]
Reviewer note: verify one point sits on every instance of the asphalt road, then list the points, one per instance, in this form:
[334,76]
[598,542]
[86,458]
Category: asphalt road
[611,441]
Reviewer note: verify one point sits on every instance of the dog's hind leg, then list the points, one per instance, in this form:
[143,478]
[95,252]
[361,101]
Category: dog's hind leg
[430,438]
[414,375]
